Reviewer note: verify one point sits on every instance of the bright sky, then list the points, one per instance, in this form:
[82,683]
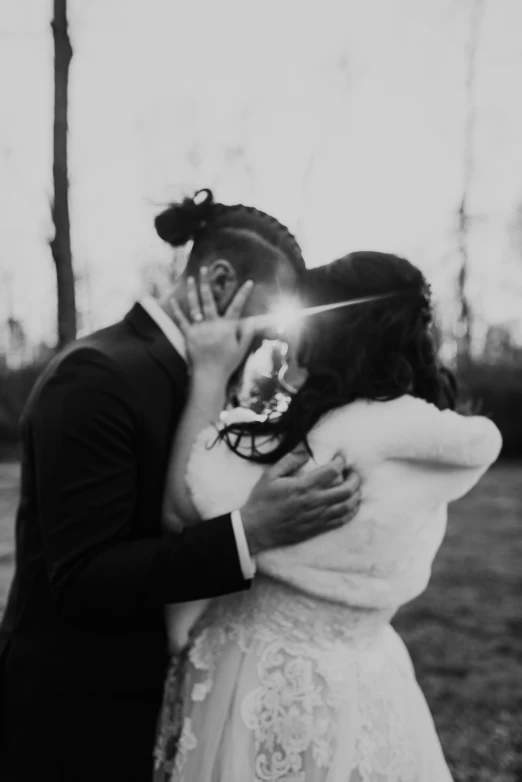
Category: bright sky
[349,113]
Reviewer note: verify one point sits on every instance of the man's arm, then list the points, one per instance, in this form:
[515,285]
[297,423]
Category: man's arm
[85,442]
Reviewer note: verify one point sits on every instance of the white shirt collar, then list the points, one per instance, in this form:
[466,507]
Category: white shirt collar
[166,324]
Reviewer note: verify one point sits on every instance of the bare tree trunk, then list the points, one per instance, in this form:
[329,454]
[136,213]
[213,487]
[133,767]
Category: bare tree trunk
[61,244]
[465,315]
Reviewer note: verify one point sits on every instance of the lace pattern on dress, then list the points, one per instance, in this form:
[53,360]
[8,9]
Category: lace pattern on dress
[385,749]
[315,663]
[293,712]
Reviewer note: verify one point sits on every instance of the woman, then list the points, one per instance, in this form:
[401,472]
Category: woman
[303,679]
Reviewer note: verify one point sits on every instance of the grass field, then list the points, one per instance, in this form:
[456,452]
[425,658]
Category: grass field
[464,634]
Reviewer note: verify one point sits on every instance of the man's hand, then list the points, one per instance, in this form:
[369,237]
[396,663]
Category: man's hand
[285,508]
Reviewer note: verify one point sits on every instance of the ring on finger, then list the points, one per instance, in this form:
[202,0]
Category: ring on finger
[197,317]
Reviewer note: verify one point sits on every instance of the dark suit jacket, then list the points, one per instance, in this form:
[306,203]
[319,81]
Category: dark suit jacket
[83,646]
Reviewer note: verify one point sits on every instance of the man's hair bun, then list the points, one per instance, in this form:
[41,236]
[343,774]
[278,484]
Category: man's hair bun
[181,222]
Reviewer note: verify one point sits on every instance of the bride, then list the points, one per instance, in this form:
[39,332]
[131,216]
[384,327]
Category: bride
[303,678]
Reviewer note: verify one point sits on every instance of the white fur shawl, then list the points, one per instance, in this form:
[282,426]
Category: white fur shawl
[413,460]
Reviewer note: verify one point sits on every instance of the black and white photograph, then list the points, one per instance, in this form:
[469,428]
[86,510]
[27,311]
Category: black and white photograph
[260,391]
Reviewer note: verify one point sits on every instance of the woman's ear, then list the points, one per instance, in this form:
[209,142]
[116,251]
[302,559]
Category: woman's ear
[223,282]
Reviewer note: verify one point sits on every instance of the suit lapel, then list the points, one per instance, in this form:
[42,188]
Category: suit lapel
[169,359]
[160,348]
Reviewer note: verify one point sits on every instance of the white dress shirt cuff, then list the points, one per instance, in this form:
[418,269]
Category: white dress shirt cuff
[248,566]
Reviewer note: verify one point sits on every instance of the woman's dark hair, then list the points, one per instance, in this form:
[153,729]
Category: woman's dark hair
[242,232]
[377,350]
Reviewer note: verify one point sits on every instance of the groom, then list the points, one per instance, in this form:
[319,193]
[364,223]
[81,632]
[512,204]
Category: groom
[83,648]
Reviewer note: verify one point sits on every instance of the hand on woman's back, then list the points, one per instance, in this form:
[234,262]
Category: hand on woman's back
[288,506]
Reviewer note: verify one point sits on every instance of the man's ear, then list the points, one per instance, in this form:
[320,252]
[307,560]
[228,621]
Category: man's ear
[223,282]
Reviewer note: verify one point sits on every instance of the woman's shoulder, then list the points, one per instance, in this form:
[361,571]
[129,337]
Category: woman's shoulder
[406,410]
[357,429]
[369,415]
[410,427]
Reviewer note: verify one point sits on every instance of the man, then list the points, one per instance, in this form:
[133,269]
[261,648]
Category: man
[83,648]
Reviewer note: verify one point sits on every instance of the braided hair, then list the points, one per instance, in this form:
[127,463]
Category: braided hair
[377,351]
[241,231]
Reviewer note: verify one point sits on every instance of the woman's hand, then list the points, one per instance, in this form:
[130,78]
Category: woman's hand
[216,347]
[216,344]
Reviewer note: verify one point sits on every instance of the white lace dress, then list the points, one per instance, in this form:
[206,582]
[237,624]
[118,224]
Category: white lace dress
[302,678]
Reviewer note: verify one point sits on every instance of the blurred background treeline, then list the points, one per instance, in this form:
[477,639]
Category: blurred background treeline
[383,124]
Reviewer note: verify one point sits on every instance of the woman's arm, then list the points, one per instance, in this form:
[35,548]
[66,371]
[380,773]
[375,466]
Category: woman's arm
[206,400]
[216,345]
